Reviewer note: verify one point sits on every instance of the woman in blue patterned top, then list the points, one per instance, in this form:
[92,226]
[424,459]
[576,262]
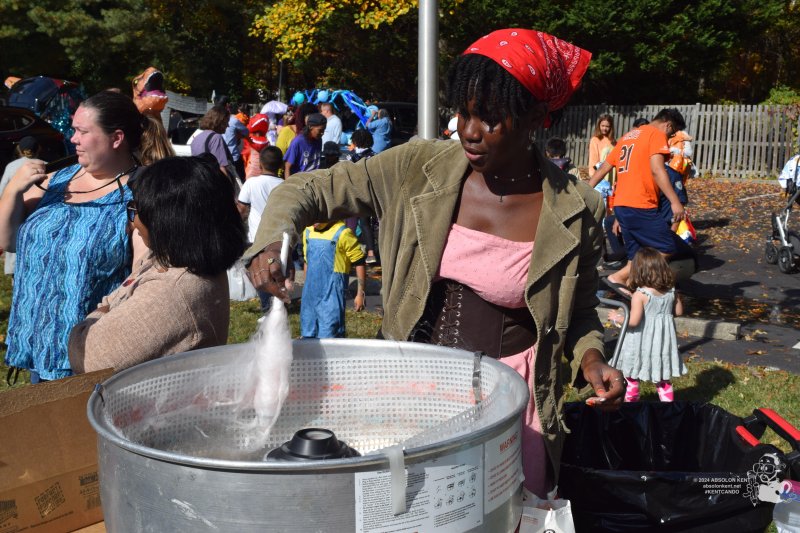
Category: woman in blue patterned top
[70,232]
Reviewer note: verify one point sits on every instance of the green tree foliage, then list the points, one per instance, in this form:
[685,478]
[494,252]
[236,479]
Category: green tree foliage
[24,51]
[200,45]
[654,51]
[766,52]
[658,51]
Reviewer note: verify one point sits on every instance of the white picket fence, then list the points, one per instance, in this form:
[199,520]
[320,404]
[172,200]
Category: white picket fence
[734,141]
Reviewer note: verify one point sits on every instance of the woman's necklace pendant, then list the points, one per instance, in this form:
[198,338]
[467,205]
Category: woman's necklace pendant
[509,180]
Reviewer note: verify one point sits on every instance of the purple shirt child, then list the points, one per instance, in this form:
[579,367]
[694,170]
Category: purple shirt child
[303,154]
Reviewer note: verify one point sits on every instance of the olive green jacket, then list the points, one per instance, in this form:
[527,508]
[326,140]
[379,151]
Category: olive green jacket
[413,190]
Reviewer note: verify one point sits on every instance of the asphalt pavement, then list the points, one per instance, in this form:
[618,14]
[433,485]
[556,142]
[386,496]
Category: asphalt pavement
[734,286]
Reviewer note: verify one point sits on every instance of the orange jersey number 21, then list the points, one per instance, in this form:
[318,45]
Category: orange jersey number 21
[624,158]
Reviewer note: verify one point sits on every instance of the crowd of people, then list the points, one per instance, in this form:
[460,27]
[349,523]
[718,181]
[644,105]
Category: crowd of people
[122,257]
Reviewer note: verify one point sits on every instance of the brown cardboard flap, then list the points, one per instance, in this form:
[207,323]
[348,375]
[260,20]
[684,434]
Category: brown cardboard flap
[46,431]
[15,400]
[100,527]
[62,503]
[48,457]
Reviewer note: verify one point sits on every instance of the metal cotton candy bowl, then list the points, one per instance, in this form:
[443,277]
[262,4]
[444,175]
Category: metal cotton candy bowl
[174,452]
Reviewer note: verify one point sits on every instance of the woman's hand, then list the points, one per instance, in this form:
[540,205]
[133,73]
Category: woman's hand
[266,274]
[31,172]
[608,382]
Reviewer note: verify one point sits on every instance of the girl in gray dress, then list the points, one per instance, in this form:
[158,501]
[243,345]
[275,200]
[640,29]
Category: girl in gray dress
[650,347]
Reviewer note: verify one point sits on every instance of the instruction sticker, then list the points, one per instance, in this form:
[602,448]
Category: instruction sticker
[444,495]
[503,468]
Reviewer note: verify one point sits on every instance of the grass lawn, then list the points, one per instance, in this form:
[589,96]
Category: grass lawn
[737,389]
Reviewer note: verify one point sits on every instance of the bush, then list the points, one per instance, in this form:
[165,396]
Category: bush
[783,95]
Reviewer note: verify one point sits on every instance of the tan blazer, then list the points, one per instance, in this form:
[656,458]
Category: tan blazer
[413,189]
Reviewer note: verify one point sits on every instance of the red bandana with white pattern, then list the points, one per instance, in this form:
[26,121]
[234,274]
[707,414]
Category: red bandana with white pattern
[551,69]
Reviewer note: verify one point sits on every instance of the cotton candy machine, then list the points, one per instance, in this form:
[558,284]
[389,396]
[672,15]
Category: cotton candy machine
[438,433]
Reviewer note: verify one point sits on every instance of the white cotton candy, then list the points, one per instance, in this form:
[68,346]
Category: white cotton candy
[272,352]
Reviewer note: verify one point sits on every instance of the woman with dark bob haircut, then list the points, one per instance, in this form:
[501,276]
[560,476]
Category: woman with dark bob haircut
[176,299]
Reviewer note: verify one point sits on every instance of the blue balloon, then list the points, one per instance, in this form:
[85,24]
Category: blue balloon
[298,98]
[322,96]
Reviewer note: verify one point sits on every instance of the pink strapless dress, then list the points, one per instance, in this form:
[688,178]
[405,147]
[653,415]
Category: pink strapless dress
[496,269]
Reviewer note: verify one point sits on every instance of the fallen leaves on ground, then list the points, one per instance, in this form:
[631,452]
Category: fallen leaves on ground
[733,215]
[732,219]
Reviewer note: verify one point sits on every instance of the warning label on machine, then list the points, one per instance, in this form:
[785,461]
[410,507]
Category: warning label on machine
[503,468]
[442,495]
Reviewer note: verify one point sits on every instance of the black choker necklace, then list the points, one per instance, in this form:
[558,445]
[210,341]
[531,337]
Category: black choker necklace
[510,180]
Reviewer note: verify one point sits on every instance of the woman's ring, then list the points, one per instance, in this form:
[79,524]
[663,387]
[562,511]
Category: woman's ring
[271,260]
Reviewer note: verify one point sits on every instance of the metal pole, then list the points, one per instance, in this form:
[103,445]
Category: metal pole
[428,72]
[280,81]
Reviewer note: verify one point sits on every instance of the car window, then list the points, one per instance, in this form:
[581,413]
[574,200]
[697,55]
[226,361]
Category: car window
[23,121]
[406,118]
[7,123]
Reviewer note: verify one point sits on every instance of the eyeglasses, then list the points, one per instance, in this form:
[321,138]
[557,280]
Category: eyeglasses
[131,210]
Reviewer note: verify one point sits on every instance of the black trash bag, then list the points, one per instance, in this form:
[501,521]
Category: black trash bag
[665,467]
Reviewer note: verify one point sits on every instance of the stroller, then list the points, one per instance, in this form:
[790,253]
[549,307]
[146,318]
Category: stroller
[783,245]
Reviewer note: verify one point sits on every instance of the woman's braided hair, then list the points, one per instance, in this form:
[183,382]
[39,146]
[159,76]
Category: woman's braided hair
[497,94]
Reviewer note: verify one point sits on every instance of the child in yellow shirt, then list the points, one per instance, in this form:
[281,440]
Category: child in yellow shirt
[330,249]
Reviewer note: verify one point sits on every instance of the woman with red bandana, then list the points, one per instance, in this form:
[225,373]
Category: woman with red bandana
[486,245]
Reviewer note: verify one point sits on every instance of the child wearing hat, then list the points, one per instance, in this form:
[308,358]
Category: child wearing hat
[305,150]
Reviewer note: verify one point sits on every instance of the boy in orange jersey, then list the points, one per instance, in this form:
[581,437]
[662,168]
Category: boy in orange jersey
[639,158]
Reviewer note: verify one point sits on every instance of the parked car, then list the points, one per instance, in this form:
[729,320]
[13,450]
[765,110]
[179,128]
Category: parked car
[18,122]
[47,97]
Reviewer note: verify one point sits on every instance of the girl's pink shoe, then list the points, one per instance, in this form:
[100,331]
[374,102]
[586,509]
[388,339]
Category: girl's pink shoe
[632,391]
[665,391]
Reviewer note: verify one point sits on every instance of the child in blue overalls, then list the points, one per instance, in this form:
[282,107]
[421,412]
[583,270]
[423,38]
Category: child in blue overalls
[331,249]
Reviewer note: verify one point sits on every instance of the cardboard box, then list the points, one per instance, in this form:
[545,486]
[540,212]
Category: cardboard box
[99,527]
[48,457]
